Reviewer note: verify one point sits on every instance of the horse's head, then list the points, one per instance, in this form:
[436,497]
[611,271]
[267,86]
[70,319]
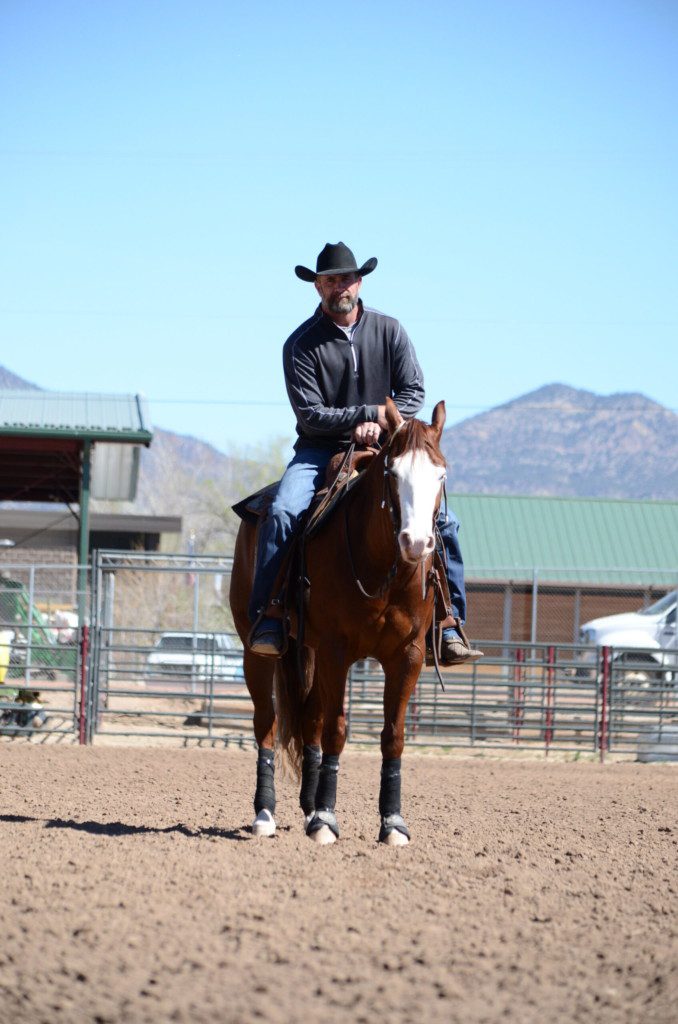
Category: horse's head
[416,469]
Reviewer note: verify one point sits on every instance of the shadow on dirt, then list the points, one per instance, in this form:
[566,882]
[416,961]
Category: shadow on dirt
[119,828]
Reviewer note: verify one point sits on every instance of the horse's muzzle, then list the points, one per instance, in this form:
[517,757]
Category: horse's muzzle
[415,549]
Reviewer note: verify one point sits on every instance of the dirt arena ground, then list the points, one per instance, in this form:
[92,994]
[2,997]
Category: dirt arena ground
[132,891]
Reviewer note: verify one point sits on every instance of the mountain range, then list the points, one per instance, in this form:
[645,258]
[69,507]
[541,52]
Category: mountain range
[557,441]
[564,441]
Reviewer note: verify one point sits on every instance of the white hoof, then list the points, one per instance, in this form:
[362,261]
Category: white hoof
[323,836]
[396,838]
[263,824]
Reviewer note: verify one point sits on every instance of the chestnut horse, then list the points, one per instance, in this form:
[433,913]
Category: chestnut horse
[368,570]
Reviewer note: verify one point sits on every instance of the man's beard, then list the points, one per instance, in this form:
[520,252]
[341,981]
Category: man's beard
[343,304]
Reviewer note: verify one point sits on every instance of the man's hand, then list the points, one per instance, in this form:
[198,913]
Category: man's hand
[366,433]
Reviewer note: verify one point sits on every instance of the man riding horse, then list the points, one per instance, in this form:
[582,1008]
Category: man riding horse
[339,366]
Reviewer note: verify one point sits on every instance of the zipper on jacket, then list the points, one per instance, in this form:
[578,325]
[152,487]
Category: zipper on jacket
[355,358]
[354,351]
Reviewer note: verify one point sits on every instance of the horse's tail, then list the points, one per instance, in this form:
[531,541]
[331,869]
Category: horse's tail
[294,673]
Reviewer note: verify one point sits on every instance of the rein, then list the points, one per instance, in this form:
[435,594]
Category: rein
[389,576]
[430,578]
[385,503]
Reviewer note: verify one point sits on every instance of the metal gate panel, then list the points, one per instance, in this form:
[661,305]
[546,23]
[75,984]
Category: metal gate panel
[520,696]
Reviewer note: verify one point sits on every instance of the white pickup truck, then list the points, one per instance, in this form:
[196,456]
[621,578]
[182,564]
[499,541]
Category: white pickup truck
[197,656]
[646,640]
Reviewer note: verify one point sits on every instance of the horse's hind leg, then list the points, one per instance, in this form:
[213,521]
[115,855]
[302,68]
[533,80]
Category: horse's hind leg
[259,679]
[331,671]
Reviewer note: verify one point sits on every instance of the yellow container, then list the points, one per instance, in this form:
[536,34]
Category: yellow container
[6,637]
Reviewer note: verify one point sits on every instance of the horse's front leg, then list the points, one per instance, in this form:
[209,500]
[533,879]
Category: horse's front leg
[402,671]
[311,730]
[259,680]
[331,671]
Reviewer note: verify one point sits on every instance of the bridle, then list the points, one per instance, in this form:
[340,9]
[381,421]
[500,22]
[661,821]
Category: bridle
[427,579]
[394,513]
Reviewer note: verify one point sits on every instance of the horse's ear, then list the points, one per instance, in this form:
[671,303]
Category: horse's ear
[438,419]
[393,417]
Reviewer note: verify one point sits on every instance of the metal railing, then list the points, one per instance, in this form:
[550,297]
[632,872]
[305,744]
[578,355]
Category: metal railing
[103,683]
[40,653]
[538,696]
[136,689]
[40,687]
[541,697]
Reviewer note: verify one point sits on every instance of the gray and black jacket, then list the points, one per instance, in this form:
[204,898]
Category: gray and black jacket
[334,384]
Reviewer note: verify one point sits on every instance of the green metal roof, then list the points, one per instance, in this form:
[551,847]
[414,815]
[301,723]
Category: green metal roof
[568,539]
[95,417]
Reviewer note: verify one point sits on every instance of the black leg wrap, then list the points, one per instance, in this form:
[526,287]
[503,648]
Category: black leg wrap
[326,794]
[389,800]
[389,791]
[310,773]
[264,798]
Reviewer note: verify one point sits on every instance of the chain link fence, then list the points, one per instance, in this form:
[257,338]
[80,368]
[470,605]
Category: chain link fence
[551,605]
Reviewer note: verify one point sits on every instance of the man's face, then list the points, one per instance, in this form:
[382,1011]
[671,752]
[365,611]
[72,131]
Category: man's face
[338,292]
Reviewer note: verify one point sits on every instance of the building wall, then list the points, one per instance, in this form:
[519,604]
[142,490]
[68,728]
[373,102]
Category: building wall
[54,557]
[54,578]
[561,610]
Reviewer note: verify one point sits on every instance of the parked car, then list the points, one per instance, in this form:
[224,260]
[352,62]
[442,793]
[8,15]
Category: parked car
[645,640]
[197,656]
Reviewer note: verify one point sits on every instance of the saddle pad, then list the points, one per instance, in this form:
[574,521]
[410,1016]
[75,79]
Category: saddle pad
[251,509]
[254,507]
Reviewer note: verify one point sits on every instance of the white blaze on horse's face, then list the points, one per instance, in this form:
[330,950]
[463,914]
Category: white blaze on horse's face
[419,481]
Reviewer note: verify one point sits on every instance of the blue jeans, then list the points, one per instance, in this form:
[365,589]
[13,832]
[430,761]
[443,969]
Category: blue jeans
[448,526]
[303,476]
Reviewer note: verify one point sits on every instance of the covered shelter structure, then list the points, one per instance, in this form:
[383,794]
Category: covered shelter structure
[69,447]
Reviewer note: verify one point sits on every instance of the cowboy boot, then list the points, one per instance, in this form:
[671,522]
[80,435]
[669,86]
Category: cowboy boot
[455,648]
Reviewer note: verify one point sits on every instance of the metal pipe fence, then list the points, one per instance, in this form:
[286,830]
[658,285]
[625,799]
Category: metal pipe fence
[541,697]
[156,683]
[40,652]
[159,659]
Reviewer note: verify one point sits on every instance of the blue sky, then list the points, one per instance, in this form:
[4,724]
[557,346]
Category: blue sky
[164,165]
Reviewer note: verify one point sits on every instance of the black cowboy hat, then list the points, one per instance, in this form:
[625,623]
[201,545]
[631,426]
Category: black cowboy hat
[336,259]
